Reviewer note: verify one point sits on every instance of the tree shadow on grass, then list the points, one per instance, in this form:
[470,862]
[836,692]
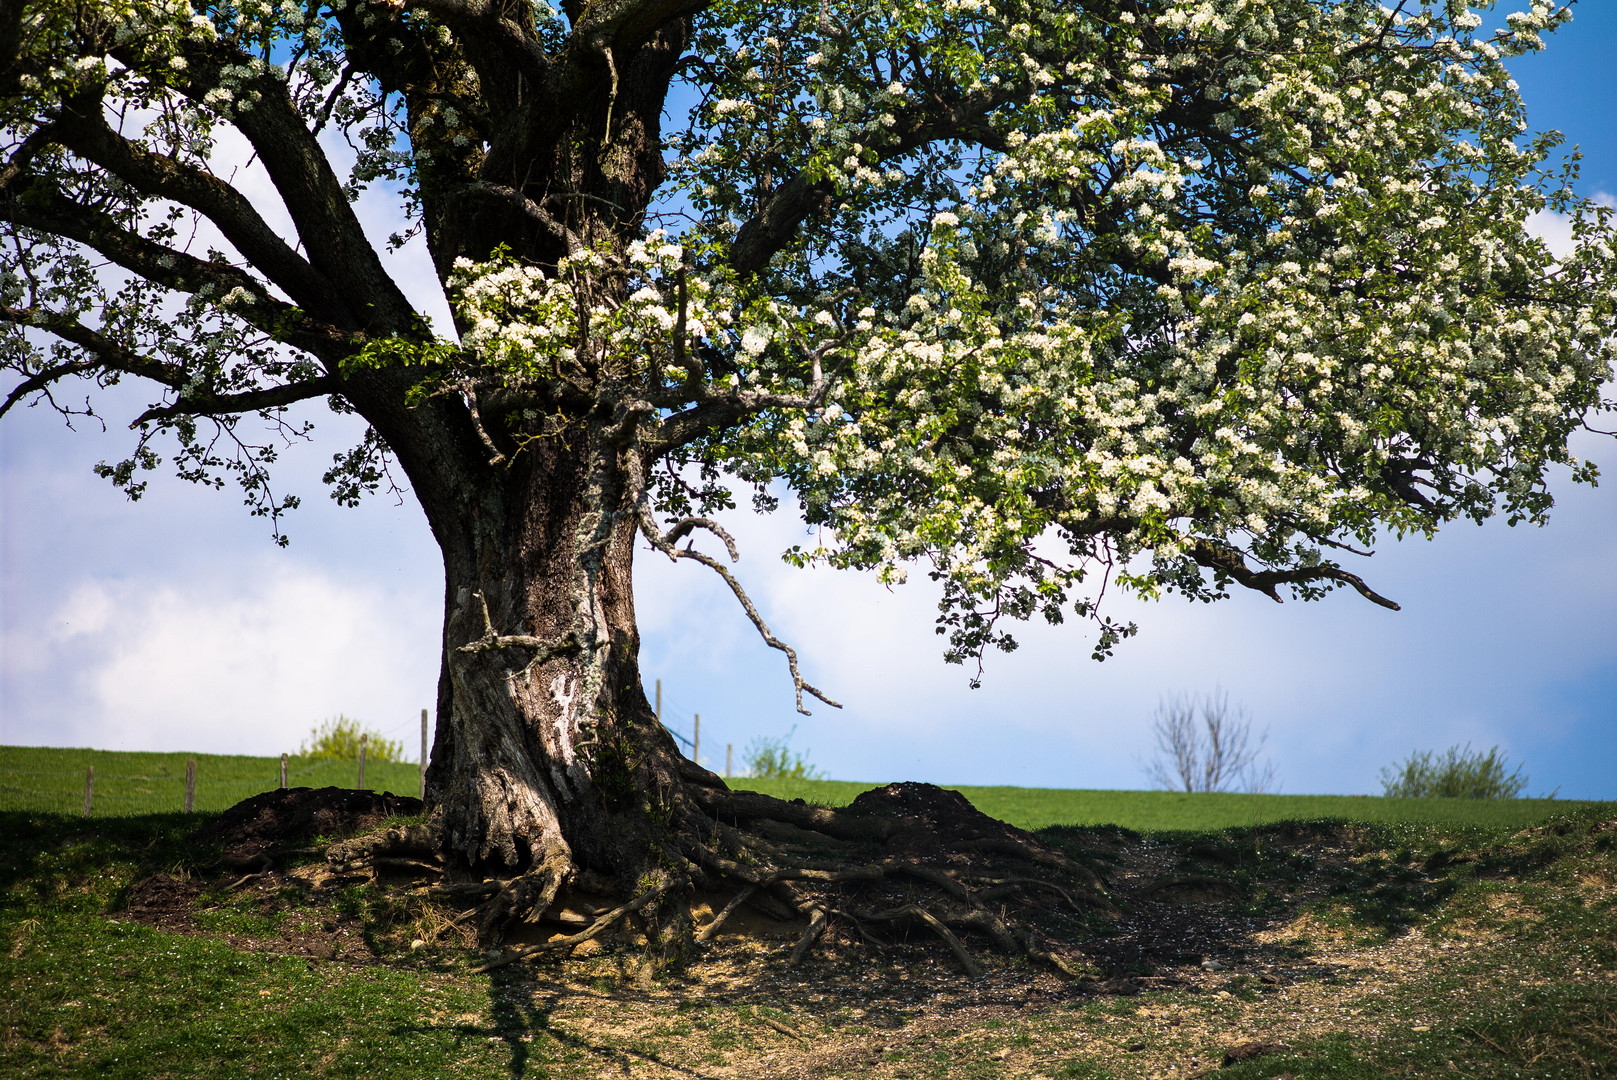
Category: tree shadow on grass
[522,1008]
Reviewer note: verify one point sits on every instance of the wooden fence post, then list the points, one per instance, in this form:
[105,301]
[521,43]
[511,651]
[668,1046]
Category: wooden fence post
[696,743]
[659,701]
[89,788]
[363,740]
[729,749]
[283,772]
[423,753]
[190,784]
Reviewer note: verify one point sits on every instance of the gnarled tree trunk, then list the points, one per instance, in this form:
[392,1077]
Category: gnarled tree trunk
[548,756]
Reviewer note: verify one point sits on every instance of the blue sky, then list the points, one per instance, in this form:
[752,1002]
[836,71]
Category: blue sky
[174,622]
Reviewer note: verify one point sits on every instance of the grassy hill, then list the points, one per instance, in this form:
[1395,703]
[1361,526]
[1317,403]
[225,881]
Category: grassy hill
[1324,950]
[135,782]
[1151,811]
[52,780]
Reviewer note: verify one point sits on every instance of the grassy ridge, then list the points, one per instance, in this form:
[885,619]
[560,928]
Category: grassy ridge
[52,780]
[1151,811]
[132,782]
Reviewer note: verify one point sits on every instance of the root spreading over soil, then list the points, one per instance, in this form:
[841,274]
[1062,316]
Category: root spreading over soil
[906,870]
[886,939]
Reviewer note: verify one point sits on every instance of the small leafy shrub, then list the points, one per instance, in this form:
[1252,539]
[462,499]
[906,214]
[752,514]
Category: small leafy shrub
[1460,773]
[773,759]
[338,740]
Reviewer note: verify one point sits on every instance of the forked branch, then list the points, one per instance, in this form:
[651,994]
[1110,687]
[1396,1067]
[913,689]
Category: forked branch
[543,648]
[663,543]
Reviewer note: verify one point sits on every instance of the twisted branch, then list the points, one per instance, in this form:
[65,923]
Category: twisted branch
[662,543]
[1226,560]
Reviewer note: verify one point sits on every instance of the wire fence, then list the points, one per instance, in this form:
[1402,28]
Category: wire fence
[113,792]
[110,783]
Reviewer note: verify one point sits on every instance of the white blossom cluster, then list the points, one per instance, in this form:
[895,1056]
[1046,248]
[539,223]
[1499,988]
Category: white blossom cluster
[522,323]
[1252,272]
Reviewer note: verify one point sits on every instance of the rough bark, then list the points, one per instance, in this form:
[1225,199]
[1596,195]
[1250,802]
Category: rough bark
[548,758]
[548,753]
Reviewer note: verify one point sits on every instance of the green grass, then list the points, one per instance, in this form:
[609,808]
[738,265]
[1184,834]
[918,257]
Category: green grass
[1525,991]
[93,994]
[49,779]
[1161,811]
[52,780]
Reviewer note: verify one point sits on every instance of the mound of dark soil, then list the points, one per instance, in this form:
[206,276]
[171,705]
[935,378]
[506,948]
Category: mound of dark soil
[289,815]
[934,817]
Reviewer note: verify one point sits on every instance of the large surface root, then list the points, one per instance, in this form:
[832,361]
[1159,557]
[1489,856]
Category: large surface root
[908,857]
[901,866]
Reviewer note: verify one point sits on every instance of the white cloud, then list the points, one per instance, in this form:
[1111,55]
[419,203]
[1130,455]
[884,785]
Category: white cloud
[243,666]
[1556,229]
[88,610]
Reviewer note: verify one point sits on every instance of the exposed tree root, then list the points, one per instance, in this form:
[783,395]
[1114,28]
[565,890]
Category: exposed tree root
[941,864]
[596,929]
[817,923]
[902,860]
[712,928]
[526,898]
[908,857]
[968,963]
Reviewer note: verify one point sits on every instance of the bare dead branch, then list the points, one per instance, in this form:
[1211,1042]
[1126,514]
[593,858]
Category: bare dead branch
[496,456]
[543,648]
[684,528]
[784,1029]
[648,527]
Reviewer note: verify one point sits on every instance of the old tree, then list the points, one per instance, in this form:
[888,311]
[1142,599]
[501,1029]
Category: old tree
[1042,294]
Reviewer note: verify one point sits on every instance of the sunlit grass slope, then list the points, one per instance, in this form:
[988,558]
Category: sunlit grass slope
[43,778]
[1036,808]
[49,779]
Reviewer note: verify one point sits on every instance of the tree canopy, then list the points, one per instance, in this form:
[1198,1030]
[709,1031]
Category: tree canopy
[1176,293]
